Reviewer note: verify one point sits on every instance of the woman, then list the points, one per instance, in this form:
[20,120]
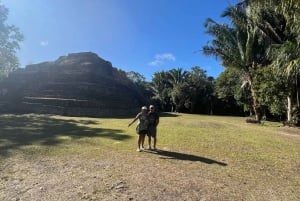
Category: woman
[142,127]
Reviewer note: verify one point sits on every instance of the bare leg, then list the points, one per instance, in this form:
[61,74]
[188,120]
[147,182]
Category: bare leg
[154,142]
[139,141]
[149,141]
[143,141]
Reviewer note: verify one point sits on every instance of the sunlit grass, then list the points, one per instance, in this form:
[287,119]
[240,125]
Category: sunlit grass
[253,156]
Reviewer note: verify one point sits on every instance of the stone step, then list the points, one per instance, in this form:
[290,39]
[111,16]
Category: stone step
[26,107]
[64,102]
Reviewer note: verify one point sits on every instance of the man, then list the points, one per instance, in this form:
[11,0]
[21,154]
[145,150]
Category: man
[153,122]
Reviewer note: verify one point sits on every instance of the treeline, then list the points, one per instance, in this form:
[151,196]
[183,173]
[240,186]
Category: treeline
[260,50]
[179,90]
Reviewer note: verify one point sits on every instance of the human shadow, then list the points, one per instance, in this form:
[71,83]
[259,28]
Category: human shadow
[20,130]
[186,157]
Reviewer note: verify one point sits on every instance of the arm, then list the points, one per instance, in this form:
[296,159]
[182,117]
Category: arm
[136,118]
[157,119]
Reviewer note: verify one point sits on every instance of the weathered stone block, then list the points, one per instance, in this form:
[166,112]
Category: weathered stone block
[80,84]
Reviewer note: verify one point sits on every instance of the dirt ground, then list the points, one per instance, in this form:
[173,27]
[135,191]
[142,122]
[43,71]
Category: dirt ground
[139,176]
[76,178]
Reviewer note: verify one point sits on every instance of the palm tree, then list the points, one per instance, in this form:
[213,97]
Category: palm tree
[162,89]
[238,47]
[279,22]
[177,79]
[177,76]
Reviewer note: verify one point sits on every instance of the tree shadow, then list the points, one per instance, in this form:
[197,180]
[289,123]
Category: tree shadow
[20,130]
[186,157]
[169,114]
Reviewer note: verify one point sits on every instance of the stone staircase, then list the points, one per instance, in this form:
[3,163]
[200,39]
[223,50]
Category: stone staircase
[78,85]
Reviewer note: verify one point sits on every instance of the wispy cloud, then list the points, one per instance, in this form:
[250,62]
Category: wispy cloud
[44,43]
[160,59]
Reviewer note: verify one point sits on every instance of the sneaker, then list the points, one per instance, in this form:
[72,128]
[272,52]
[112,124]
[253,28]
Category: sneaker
[150,148]
[142,148]
[138,149]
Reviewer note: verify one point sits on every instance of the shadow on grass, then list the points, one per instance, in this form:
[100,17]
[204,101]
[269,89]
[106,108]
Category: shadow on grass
[19,130]
[168,114]
[186,157]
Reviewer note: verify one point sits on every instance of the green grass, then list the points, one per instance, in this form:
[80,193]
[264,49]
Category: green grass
[210,157]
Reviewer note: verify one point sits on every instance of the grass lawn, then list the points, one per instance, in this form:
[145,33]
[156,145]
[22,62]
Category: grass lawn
[44,157]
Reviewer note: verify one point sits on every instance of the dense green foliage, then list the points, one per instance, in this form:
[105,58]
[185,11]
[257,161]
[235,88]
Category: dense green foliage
[10,37]
[262,44]
[183,91]
[229,89]
[191,92]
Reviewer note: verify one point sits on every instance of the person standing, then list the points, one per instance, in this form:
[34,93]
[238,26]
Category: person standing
[142,127]
[152,128]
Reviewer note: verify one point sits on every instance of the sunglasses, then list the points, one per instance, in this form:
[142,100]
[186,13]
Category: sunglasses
[151,108]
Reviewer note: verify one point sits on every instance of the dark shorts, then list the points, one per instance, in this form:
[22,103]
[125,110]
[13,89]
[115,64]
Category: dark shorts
[142,132]
[151,131]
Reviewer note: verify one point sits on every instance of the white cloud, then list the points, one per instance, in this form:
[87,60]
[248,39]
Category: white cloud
[156,63]
[160,59]
[44,43]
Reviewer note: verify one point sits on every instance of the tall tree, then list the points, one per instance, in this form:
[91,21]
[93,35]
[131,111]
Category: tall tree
[177,76]
[177,79]
[237,46]
[228,88]
[279,22]
[162,89]
[142,86]
[272,90]
[200,91]
[180,97]
[136,77]
[10,37]
[184,91]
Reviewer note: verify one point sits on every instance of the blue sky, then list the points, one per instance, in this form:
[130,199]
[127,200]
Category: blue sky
[145,36]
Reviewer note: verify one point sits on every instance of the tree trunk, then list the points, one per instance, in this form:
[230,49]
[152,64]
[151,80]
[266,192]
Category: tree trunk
[257,110]
[255,104]
[297,91]
[289,109]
